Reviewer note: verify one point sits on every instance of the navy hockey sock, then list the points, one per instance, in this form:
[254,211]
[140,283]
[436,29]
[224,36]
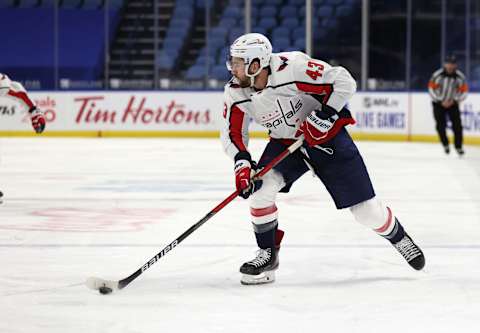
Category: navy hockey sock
[266,239]
[265,234]
[397,233]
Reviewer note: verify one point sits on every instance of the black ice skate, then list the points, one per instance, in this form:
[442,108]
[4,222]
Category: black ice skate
[411,252]
[261,269]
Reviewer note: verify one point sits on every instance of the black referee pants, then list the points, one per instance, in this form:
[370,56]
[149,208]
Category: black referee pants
[440,113]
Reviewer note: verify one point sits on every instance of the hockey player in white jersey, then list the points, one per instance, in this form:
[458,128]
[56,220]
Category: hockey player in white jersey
[292,95]
[15,91]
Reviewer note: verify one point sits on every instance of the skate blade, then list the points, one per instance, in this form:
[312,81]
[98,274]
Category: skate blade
[262,278]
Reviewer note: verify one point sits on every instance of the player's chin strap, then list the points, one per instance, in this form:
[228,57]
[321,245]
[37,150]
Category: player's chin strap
[252,76]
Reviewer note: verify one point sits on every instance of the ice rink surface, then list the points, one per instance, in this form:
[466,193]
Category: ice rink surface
[74,208]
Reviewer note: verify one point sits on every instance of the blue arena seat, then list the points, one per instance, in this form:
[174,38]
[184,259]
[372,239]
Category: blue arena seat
[293,48]
[267,23]
[280,44]
[300,44]
[178,23]
[235,33]
[218,32]
[288,11]
[227,22]
[170,52]
[173,43]
[202,51]
[290,23]
[183,11]
[203,60]
[241,22]
[165,61]
[217,42]
[260,30]
[267,11]
[223,56]
[281,32]
[177,32]
[233,12]
[196,73]
[220,73]
[298,32]
[213,50]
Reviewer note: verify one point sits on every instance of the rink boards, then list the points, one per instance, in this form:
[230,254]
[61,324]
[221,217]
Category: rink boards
[382,116]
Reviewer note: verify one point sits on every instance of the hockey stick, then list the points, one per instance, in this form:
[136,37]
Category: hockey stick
[107,286]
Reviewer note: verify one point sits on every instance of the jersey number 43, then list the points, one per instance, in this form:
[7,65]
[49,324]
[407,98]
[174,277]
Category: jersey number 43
[315,71]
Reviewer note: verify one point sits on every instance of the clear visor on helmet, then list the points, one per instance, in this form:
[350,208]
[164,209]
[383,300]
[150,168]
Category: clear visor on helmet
[234,63]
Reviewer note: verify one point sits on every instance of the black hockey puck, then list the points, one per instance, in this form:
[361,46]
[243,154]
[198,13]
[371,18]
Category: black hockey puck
[105,290]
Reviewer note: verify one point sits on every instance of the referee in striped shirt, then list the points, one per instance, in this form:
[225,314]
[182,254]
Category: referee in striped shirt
[447,88]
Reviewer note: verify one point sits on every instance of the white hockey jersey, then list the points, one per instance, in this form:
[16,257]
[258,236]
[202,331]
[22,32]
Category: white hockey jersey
[296,86]
[15,90]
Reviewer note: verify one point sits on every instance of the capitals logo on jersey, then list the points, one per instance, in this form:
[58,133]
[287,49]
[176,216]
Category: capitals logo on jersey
[283,116]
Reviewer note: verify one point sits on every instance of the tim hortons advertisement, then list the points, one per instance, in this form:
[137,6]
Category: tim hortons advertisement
[197,113]
[97,111]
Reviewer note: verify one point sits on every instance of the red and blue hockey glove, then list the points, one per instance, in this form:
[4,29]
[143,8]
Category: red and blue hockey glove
[38,120]
[317,126]
[245,170]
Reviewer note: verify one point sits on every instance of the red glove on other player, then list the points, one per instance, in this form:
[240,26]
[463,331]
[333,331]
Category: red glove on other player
[38,120]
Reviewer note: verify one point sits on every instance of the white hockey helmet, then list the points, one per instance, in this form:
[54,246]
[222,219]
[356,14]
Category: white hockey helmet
[250,47]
